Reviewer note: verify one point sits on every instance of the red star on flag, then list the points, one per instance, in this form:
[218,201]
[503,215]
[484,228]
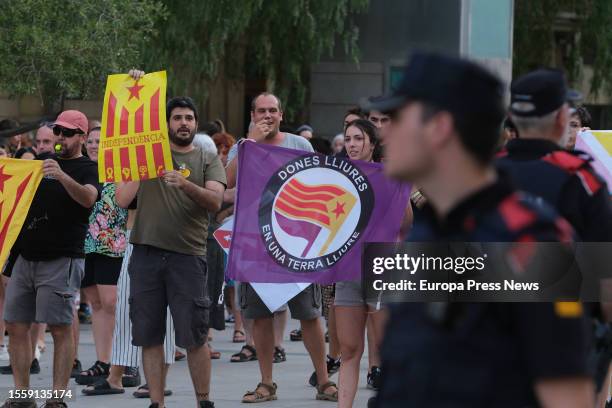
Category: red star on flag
[339,210]
[3,177]
[135,90]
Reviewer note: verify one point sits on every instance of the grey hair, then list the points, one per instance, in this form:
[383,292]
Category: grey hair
[536,123]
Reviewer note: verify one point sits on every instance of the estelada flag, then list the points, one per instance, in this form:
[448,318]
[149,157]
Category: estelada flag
[598,144]
[19,180]
[304,217]
[134,138]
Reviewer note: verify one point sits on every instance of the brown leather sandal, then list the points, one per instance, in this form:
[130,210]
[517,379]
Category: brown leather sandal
[258,396]
[322,396]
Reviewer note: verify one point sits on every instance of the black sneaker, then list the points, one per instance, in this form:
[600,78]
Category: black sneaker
[374,378]
[372,402]
[76,368]
[332,368]
[154,405]
[34,368]
[131,377]
[207,404]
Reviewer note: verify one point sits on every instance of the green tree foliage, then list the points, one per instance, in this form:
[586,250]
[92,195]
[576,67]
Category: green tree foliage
[59,48]
[276,39]
[587,24]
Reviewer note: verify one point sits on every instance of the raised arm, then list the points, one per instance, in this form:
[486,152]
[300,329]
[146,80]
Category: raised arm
[126,192]
[86,195]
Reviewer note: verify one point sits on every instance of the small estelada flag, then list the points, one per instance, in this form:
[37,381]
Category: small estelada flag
[134,139]
[19,180]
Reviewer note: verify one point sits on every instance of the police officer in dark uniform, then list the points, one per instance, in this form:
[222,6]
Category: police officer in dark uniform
[539,165]
[564,179]
[446,118]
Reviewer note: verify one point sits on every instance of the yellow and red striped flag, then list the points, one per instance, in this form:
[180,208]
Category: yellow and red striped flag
[19,180]
[134,139]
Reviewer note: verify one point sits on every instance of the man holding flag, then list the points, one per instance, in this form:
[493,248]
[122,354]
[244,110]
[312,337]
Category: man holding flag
[49,269]
[267,114]
[168,263]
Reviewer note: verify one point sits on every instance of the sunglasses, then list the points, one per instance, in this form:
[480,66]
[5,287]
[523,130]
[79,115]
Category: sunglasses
[57,130]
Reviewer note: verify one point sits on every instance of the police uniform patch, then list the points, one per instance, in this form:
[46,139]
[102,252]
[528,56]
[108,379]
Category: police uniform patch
[568,309]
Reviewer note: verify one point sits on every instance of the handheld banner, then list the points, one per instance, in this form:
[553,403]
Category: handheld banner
[598,144]
[304,217]
[19,180]
[134,138]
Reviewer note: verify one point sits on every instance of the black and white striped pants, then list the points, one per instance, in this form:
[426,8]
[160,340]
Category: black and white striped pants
[124,353]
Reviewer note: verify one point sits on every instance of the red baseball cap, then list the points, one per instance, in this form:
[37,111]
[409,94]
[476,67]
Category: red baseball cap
[72,119]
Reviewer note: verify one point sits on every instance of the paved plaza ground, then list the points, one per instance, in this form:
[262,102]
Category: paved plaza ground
[229,380]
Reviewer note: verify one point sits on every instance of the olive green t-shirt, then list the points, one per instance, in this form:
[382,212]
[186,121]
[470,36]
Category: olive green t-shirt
[167,218]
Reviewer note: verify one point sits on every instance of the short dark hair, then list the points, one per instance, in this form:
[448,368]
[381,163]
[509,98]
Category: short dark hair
[355,110]
[584,115]
[371,132]
[280,105]
[19,153]
[181,102]
[210,128]
[479,137]
[321,145]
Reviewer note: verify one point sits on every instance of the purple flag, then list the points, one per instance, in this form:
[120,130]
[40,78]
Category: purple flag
[304,217]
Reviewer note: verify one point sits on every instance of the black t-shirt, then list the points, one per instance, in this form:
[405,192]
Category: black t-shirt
[493,353]
[56,224]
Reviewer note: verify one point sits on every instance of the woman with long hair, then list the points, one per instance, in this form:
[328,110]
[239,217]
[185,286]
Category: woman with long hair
[352,311]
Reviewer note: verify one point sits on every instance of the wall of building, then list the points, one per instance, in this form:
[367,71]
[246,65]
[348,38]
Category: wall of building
[389,31]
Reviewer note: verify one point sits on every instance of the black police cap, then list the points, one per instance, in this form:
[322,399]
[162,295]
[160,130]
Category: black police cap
[540,92]
[450,83]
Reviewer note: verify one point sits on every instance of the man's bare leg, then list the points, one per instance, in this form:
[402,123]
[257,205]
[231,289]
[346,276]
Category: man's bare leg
[63,355]
[155,372]
[263,335]
[280,323]
[198,359]
[21,353]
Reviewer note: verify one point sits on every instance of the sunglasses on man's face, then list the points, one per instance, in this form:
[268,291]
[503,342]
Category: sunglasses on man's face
[57,130]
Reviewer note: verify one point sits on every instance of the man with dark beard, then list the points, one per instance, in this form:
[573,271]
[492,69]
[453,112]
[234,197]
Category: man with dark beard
[168,263]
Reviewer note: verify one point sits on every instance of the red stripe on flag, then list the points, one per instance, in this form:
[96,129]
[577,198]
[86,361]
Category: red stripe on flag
[7,223]
[110,118]
[109,164]
[139,126]
[310,215]
[316,189]
[124,155]
[141,160]
[308,196]
[311,205]
[154,111]
[158,158]
[124,121]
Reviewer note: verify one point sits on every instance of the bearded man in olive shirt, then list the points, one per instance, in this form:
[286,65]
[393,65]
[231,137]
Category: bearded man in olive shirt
[168,264]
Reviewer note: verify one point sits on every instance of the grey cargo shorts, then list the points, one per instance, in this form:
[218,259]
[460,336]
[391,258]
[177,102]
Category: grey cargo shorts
[43,291]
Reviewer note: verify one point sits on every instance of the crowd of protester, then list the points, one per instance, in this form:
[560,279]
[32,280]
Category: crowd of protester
[139,263]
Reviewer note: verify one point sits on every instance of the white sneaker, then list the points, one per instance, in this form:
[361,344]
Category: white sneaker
[4,355]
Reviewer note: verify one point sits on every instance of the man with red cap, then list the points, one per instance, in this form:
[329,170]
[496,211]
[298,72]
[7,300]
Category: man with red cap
[49,269]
